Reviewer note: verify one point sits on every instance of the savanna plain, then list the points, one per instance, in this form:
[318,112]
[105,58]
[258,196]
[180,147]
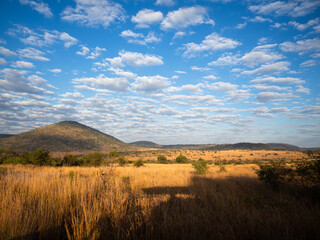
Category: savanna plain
[160,201]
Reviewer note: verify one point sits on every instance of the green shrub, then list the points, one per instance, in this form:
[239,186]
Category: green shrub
[122,161]
[309,173]
[138,163]
[201,166]
[40,157]
[162,159]
[113,154]
[70,160]
[71,176]
[181,159]
[93,158]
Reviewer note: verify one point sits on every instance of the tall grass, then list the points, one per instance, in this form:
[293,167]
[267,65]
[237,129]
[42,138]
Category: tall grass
[151,202]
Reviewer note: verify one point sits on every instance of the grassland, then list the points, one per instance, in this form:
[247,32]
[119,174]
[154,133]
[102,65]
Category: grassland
[151,202]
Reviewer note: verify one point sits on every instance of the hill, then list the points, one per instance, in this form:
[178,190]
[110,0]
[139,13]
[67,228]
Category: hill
[6,135]
[146,144]
[66,136]
[283,146]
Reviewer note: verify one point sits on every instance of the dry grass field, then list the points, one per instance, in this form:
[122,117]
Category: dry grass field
[151,202]
[222,155]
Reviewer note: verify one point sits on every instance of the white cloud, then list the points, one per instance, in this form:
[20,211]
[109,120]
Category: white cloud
[32,54]
[287,80]
[259,19]
[56,70]
[147,17]
[22,64]
[225,60]
[210,77]
[180,72]
[84,51]
[151,83]
[201,69]
[312,110]
[135,59]
[103,82]
[3,61]
[264,87]
[291,8]
[274,96]
[269,68]
[302,46]
[15,81]
[40,7]
[197,88]
[168,3]
[187,100]
[73,95]
[39,81]
[309,63]
[185,17]
[212,42]
[222,86]
[6,52]
[41,37]
[122,73]
[260,54]
[302,27]
[94,13]
[263,112]
[302,89]
[140,38]
[241,25]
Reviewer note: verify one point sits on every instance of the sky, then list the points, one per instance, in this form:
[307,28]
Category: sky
[167,71]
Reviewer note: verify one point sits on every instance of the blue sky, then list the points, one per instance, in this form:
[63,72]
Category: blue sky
[168,71]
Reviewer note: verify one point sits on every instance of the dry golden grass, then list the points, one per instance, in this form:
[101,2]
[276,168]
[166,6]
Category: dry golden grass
[151,202]
[219,155]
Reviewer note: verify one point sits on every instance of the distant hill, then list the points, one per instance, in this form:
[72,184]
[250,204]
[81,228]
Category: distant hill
[66,136]
[6,135]
[243,145]
[283,146]
[146,144]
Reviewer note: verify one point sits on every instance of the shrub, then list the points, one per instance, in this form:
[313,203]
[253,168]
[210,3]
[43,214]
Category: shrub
[138,163]
[70,160]
[93,158]
[113,154]
[40,157]
[181,159]
[122,161]
[162,159]
[201,166]
[309,173]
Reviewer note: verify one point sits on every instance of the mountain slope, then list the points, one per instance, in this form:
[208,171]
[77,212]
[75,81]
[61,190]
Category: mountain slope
[66,136]
[146,144]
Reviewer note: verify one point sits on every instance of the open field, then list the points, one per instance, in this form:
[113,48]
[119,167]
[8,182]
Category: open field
[151,202]
[223,155]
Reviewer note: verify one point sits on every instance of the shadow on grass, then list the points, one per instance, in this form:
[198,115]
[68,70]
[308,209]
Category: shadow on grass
[228,208]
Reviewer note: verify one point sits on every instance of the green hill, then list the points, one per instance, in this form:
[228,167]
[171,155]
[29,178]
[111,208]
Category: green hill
[66,136]
[146,144]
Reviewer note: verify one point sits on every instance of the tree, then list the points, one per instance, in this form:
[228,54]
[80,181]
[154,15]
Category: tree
[70,160]
[162,159]
[201,166]
[40,157]
[181,159]
[93,158]
[113,153]
[138,163]
[122,161]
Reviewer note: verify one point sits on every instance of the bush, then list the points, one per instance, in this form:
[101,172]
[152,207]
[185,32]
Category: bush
[40,157]
[138,163]
[201,166]
[181,159]
[162,159]
[70,160]
[122,161]
[93,158]
[113,154]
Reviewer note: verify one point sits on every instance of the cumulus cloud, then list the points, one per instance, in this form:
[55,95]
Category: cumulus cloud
[122,73]
[274,96]
[201,69]
[14,80]
[41,37]
[32,54]
[56,70]
[87,53]
[210,77]
[302,27]
[94,13]
[22,64]
[147,17]
[151,83]
[135,59]
[291,8]
[168,3]
[222,86]
[103,82]
[140,38]
[185,17]
[301,46]
[6,52]
[39,81]
[286,80]
[269,68]
[187,100]
[212,42]
[73,95]
[309,63]
[3,61]
[225,60]
[314,110]
[263,112]
[40,7]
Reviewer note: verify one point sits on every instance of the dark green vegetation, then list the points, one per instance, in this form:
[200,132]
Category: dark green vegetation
[181,159]
[201,166]
[66,136]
